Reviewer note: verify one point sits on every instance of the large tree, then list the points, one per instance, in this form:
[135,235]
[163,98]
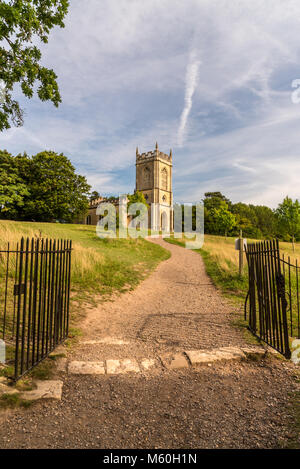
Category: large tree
[288,213]
[12,188]
[224,220]
[56,192]
[22,24]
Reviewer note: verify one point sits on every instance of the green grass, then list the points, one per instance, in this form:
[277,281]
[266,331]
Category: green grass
[100,267]
[13,401]
[44,370]
[223,271]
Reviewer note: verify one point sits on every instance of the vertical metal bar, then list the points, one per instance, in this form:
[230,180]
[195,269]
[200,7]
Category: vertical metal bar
[69,286]
[59,309]
[5,293]
[35,290]
[56,294]
[278,296]
[19,310]
[271,296]
[63,308]
[287,351]
[16,276]
[290,295]
[260,291]
[29,338]
[297,291]
[252,315]
[24,307]
[41,258]
[48,330]
[275,340]
[52,294]
[267,296]
[44,296]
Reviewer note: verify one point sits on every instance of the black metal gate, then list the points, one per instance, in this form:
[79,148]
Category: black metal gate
[34,300]
[273,296]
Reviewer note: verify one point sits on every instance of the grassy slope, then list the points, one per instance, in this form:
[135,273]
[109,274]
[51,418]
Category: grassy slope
[222,261]
[100,267]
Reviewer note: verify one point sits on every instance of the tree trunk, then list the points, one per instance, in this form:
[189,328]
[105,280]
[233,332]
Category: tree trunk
[293,241]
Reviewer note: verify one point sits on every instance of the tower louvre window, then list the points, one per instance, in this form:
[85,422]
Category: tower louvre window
[147,174]
[164,179]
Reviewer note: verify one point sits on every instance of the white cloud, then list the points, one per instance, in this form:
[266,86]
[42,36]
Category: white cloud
[123,73]
[190,86]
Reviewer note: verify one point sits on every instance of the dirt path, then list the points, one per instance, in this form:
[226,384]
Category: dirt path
[177,307]
[233,405]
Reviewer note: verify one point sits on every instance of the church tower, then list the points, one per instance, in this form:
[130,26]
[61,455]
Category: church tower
[154,180]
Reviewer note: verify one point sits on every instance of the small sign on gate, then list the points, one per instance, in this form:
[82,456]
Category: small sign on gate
[237,244]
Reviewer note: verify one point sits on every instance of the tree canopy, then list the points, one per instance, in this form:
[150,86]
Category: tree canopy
[256,221]
[288,213]
[22,24]
[45,187]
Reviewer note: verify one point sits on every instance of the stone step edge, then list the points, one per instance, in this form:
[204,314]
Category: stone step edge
[170,361]
[44,389]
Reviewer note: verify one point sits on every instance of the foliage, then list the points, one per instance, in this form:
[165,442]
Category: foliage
[224,220]
[12,188]
[43,187]
[100,267]
[288,213]
[22,24]
[94,196]
[136,198]
[256,221]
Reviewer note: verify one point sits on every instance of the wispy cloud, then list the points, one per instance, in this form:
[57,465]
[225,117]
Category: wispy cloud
[191,80]
[124,73]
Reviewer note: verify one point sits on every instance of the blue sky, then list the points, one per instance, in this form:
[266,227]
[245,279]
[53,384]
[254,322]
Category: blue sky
[210,79]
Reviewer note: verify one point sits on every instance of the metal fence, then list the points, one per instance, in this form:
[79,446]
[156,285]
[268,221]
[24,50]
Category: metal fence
[34,300]
[273,296]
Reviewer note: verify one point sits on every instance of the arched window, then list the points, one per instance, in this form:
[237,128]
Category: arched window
[164,179]
[147,175]
[89,220]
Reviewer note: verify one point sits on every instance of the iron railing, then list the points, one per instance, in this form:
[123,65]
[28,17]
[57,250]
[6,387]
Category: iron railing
[34,300]
[273,296]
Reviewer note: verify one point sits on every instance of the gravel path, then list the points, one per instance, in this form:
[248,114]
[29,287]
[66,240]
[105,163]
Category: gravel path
[231,405]
[176,308]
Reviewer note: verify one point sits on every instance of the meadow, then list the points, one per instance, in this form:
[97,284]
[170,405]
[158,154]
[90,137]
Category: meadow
[100,267]
[222,262]
[222,265]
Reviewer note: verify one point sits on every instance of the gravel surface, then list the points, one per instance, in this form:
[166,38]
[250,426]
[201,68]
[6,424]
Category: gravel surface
[231,405]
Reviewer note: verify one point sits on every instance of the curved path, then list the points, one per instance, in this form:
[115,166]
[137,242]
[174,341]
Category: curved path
[176,308]
[226,405]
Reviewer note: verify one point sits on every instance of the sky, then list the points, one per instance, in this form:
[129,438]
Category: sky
[211,79]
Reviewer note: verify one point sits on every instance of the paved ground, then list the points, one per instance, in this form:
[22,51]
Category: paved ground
[225,405]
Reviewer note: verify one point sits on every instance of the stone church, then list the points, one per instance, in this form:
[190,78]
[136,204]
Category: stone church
[154,180]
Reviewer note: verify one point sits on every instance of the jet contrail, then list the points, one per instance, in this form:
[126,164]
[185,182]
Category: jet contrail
[191,79]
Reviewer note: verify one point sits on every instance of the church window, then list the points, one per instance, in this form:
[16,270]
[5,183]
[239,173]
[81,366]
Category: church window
[164,179]
[147,175]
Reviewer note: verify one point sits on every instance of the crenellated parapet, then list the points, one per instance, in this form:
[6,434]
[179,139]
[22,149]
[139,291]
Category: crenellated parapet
[153,154]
